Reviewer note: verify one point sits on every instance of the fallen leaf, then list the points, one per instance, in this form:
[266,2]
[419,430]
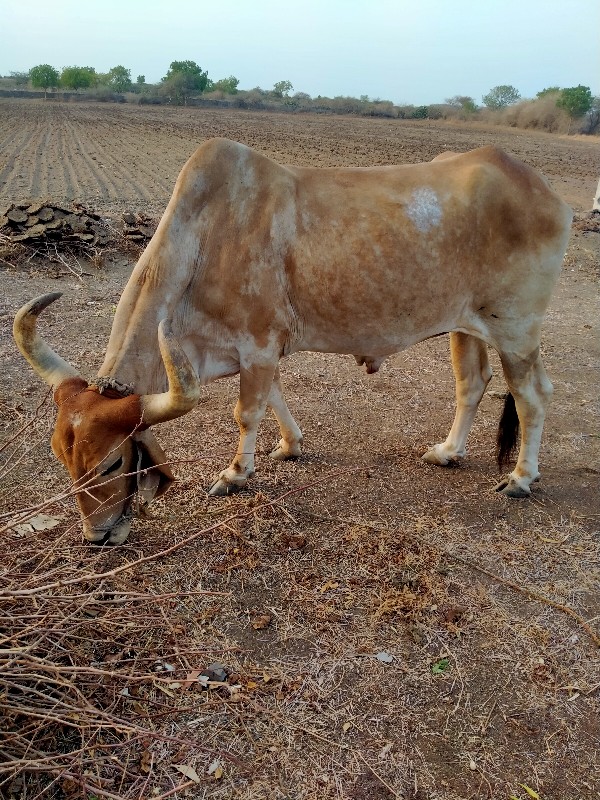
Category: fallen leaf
[452,615]
[386,658]
[440,666]
[328,585]
[385,750]
[40,522]
[260,621]
[416,631]
[191,678]
[162,688]
[215,769]
[189,772]
[346,726]
[293,541]
[215,672]
[146,762]
[531,792]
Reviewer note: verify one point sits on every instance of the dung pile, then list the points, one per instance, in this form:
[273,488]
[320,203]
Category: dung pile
[138,227]
[75,228]
[587,222]
[38,222]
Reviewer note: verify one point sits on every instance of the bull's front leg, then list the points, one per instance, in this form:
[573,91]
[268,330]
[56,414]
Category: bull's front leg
[255,387]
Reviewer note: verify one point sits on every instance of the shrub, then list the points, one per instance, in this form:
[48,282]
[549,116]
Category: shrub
[541,114]
[592,118]
[434,112]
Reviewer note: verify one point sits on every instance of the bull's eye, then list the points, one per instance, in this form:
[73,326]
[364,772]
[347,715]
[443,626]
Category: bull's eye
[113,467]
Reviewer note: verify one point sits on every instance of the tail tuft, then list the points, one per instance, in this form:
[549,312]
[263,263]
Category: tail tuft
[508,431]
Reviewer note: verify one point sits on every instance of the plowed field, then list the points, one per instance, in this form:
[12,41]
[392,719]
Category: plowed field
[418,635]
[116,155]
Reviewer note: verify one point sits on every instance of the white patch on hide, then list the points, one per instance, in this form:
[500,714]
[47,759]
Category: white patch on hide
[76,419]
[424,210]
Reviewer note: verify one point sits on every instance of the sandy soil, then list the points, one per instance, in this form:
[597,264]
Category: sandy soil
[381,552]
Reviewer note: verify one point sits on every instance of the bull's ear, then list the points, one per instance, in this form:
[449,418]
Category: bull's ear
[155,476]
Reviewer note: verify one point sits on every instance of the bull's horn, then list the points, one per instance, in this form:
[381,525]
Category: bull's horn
[49,366]
[184,387]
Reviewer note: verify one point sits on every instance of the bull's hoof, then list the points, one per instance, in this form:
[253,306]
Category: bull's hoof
[279,454]
[510,488]
[222,487]
[437,456]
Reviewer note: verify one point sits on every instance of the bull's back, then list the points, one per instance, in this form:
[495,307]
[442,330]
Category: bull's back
[397,254]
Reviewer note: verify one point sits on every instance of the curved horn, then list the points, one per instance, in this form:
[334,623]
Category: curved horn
[48,365]
[184,388]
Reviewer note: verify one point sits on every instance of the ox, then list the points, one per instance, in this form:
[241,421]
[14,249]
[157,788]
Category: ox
[253,261]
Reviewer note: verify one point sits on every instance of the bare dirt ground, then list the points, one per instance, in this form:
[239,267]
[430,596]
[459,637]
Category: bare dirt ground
[486,610]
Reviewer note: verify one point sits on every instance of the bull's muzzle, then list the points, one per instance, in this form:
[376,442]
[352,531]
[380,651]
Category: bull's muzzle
[116,533]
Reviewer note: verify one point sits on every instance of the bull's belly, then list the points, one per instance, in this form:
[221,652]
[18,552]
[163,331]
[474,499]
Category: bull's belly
[374,345]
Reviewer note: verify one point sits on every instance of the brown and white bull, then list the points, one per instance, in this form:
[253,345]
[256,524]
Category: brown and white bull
[253,261]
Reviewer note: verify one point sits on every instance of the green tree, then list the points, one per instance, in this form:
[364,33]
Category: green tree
[183,79]
[547,91]
[44,77]
[501,96]
[576,101]
[78,77]
[226,85]
[119,79]
[464,102]
[140,80]
[282,88]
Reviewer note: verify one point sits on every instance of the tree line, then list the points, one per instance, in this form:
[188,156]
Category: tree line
[186,79]
[183,79]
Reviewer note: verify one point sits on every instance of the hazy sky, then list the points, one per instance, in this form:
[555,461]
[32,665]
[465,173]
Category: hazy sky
[408,51]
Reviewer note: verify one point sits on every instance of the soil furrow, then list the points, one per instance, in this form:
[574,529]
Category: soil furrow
[16,159]
[128,184]
[85,145]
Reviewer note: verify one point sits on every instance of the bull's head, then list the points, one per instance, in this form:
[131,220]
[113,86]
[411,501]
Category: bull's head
[103,439]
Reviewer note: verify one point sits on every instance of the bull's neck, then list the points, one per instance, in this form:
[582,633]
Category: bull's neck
[133,355]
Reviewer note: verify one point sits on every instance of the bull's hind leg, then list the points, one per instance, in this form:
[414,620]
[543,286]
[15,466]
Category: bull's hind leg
[255,388]
[472,372]
[531,389]
[291,435]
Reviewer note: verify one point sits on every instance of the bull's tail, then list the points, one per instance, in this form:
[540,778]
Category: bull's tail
[508,431]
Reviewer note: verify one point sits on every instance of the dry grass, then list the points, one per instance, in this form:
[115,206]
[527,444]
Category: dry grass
[489,677]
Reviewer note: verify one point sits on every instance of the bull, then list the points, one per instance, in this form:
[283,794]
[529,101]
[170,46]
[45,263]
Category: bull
[253,261]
